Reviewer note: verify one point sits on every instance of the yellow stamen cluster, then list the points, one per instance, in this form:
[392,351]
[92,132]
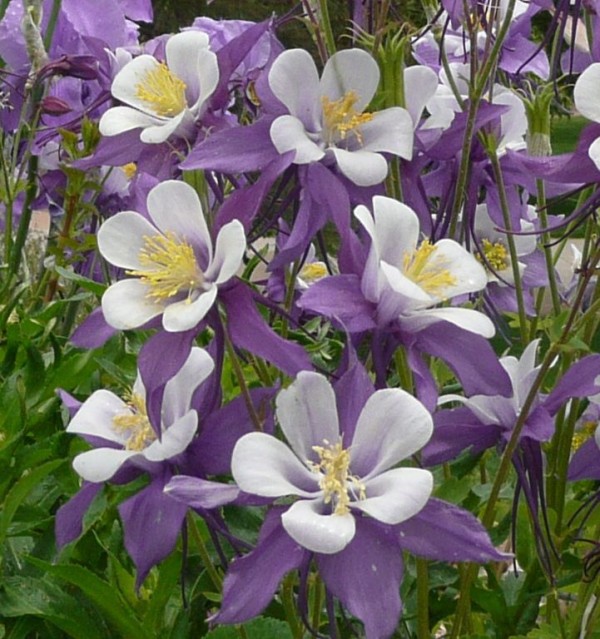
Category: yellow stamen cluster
[582,435]
[130,169]
[135,423]
[495,255]
[334,463]
[170,267]
[423,268]
[313,272]
[340,117]
[162,91]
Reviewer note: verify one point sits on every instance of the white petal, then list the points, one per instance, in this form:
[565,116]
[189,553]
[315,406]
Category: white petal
[420,84]
[468,273]
[392,426]
[229,251]
[121,238]
[307,414]
[587,92]
[389,131]
[288,134]
[183,315]
[404,287]
[96,414]
[294,80]
[180,388]
[125,305]
[100,464]
[175,206]
[326,534]
[364,168]
[397,495]
[397,229]
[122,118]
[594,152]
[466,318]
[182,52]
[175,439]
[262,465]
[161,132]
[350,70]
[125,84]
[208,72]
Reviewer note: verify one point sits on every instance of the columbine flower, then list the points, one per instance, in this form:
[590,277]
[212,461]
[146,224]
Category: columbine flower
[326,118]
[405,277]
[125,429]
[337,477]
[164,98]
[585,94]
[170,257]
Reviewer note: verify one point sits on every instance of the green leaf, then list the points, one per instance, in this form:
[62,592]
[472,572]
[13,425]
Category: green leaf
[101,594]
[260,628]
[22,596]
[84,282]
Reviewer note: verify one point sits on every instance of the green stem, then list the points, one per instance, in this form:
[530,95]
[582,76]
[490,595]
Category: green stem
[422,599]
[289,605]
[325,22]
[203,552]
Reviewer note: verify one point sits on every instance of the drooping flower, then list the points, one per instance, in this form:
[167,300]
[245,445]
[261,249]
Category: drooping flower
[327,119]
[336,476]
[175,272]
[121,429]
[164,98]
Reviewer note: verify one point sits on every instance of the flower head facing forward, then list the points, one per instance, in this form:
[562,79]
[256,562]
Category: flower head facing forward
[175,272]
[124,428]
[327,119]
[164,98]
[337,478]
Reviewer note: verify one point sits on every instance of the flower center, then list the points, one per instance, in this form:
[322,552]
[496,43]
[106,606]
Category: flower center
[334,463]
[581,436]
[313,272]
[162,91]
[340,117]
[135,423]
[428,271]
[495,254]
[170,267]
[129,169]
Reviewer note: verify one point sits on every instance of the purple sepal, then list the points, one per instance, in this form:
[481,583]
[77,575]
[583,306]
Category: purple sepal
[236,150]
[93,332]
[69,402]
[248,330]
[160,358]
[585,463]
[151,524]
[210,453]
[425,384]
[339,298]
[116,150]
[539,426]
[366,577]
[201,493]
[445,532]
[581,380]
[470,356]
[69,517]
[455,431]
[352,390]
[251,581]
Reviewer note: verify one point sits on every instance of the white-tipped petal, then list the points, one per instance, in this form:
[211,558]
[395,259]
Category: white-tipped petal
[326,534]
[586,93]
[123,118]
[350,70]
[288,134]
[121,238]
[100,464]
[184,315]
[390,131]
[126,305]
[229,252]
[465,318]
[363,168]
[96,414]
[175,439]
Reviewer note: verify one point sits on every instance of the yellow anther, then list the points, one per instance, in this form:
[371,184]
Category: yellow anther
[495,255]
[130,169]
[427,270]
[313,272]
[135,424]
[170,267]
[340,117]
[162,91]
[582,435]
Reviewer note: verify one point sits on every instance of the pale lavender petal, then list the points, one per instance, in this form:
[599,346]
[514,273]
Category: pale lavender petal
[229,251]
[307,414]
[420,84]
[390,131]
[122,118]
[100,464]
[396,230]
[175,439]
[201,493]
[468,274]
[397,495]
[186,314]
[262,465]
[126,304]
[95,417]
[121,238]
[125,85]
[305,523]
[350,70]
[157,133]
[464,318]
[364,168]
[288,134]
[182,53]
[392,426]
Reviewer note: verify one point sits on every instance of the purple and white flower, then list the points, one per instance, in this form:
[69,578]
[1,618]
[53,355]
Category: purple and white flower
[585,95]
[337,477]
[164,98]
[327,119]
[121,429]
[175,271]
